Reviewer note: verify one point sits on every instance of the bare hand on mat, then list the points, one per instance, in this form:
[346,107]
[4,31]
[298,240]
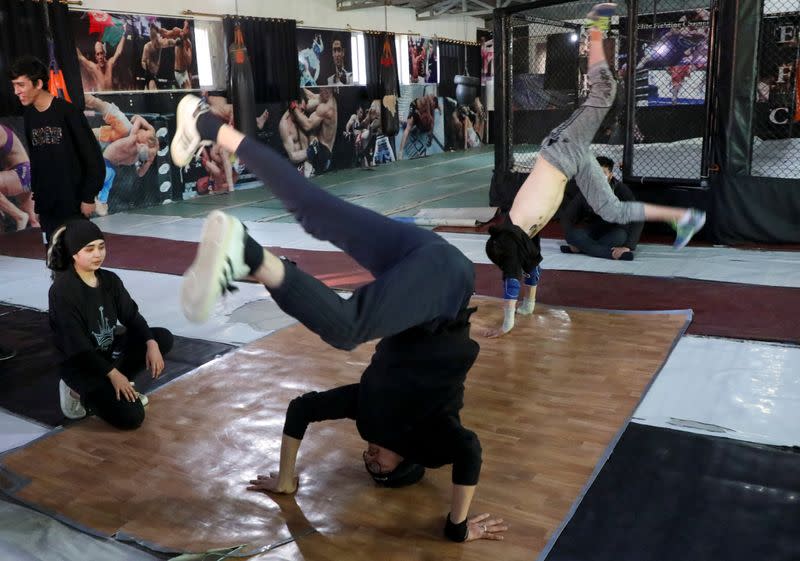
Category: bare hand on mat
[484,527]
[272,484]
[493,333]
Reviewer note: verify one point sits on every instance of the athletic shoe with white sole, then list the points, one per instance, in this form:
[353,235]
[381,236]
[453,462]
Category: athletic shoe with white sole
[684,232]
[143,398]
[219,262]
[70,405]
[600,16]
[187,142]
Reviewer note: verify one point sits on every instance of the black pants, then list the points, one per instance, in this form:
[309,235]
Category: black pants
[102,400]
[597,240]
[420,279]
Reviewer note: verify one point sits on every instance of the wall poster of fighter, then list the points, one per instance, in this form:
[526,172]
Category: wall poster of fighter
[135,148]
[324,58]
[423,60]
[778,90]
[16,202]
[672,52]
[484,38]
[421,122]
[327,129]
[128,52]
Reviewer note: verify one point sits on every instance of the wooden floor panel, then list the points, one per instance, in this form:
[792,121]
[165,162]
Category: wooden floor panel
[545,401]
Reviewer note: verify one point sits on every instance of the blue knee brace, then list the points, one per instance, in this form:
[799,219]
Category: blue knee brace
[511,288]
[532,279]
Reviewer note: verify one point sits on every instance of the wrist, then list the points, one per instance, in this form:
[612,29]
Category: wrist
[151,343]
[456,532]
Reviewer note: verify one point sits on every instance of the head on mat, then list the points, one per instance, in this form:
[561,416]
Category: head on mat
[512,250]
[389,469]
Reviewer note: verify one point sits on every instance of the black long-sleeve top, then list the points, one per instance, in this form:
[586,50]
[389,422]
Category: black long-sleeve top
[408,400]
[577,211]
[83,318]
[67,165]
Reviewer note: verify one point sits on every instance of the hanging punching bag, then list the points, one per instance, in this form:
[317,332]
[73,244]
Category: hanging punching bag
[56,85]
[390,121]
[241,85]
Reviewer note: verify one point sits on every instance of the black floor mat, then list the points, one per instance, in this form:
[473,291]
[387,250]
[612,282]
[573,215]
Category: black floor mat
[29,381]
[665,495]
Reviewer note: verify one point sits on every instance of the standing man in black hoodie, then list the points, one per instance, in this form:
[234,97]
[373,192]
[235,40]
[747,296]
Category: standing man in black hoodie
[67,169]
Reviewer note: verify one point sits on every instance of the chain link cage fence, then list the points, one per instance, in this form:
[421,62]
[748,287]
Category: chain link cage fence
[776,126]
[546,82]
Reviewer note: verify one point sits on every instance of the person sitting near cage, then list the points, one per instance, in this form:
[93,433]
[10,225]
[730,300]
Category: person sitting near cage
[587,233]
[566,154]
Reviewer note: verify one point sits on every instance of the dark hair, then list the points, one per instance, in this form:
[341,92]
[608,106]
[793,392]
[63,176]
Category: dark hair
[340,38]
[406,473]
[58,257]
[68,239]
[605,162]
[32,67]
[512,250]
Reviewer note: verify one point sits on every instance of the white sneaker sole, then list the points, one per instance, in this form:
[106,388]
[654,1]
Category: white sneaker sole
[185,143]
[69,407]
[201,282]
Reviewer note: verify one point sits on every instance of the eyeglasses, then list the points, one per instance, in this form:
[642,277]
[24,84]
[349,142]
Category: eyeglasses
[372,466]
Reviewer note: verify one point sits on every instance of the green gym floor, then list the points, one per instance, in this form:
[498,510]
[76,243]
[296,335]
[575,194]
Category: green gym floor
[447,180]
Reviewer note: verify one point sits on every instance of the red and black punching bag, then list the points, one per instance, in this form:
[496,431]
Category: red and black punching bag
[241,85]
[390,121]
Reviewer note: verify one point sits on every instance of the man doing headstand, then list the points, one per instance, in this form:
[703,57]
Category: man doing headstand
[407,403]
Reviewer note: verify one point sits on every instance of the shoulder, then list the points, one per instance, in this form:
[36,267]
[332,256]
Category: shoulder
[65,285]
[109,279]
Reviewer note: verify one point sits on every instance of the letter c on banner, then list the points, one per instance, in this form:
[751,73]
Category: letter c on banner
[773,116]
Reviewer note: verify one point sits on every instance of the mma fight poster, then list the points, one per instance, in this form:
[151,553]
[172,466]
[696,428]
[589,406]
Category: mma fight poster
[324,58]
[671,57]
[485,40]
[328,129]
[423,60]
[778,89]
[422,114]
[126,52]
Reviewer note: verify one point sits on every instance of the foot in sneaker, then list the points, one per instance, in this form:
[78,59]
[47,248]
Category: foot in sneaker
[187,140]
[688,227]
[143,398]
[70,405]
[600,16]
[219,262]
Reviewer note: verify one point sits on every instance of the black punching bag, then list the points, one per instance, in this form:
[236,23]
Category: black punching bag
[241,86]
[390,121]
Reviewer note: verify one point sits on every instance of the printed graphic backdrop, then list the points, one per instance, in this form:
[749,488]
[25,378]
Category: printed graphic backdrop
[672,54]
[324,58]
[778,91]
[484,38]
[113,47]
[423,60]
[421,122]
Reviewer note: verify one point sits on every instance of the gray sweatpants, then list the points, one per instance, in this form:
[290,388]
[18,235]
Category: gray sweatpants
[567,148]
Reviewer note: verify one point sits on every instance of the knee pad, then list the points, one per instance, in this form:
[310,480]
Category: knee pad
[532,278]
[511,288]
